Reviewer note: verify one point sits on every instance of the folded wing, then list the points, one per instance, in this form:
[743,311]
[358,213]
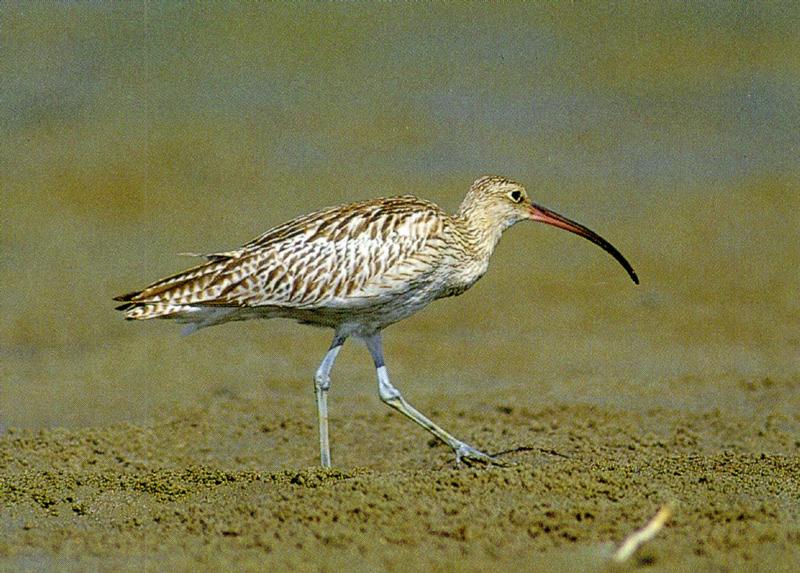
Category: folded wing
[344,257]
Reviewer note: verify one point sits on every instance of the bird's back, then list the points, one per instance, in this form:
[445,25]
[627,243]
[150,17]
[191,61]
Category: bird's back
[319,268]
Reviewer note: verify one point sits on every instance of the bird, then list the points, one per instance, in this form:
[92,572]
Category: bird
[356,268]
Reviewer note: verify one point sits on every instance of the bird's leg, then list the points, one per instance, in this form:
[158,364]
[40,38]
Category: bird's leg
[322,383]
[391,396]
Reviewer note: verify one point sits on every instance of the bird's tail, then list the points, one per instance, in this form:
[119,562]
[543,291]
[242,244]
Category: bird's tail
[174,296]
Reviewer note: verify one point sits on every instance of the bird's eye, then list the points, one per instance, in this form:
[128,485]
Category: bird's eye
[515,196]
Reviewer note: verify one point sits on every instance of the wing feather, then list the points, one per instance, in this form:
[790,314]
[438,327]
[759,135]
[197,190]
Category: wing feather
[342,257]
[348,259]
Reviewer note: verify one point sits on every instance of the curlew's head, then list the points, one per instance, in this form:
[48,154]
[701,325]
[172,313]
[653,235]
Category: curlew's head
[495,203]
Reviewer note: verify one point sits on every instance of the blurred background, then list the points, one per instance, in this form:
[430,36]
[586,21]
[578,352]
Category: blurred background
[134,131]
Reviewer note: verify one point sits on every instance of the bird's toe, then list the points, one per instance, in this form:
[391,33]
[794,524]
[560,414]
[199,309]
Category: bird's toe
[472,456]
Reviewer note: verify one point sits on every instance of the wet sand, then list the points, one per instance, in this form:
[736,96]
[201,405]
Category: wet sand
[187,492]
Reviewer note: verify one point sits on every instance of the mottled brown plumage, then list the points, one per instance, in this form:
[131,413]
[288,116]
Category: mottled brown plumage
[355,268]
[343,261]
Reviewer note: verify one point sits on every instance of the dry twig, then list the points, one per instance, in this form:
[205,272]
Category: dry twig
[643,535]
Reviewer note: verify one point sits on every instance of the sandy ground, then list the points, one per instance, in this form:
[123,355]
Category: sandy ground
[135,131]
[186,492]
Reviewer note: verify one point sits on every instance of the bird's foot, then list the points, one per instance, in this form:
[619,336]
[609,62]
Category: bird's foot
[471,456]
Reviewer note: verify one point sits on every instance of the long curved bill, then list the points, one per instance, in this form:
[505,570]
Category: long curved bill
[543,215]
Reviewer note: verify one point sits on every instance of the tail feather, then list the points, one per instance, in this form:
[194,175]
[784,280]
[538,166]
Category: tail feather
[194,317]
[127,297]
[146,311]
[172,288]
[164,286]
[196,295]
[171,297]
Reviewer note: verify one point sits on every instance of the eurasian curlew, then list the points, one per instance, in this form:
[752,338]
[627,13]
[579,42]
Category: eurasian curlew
[355,268]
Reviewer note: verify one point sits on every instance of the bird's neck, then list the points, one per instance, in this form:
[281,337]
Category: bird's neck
[471,246]
[479,234]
